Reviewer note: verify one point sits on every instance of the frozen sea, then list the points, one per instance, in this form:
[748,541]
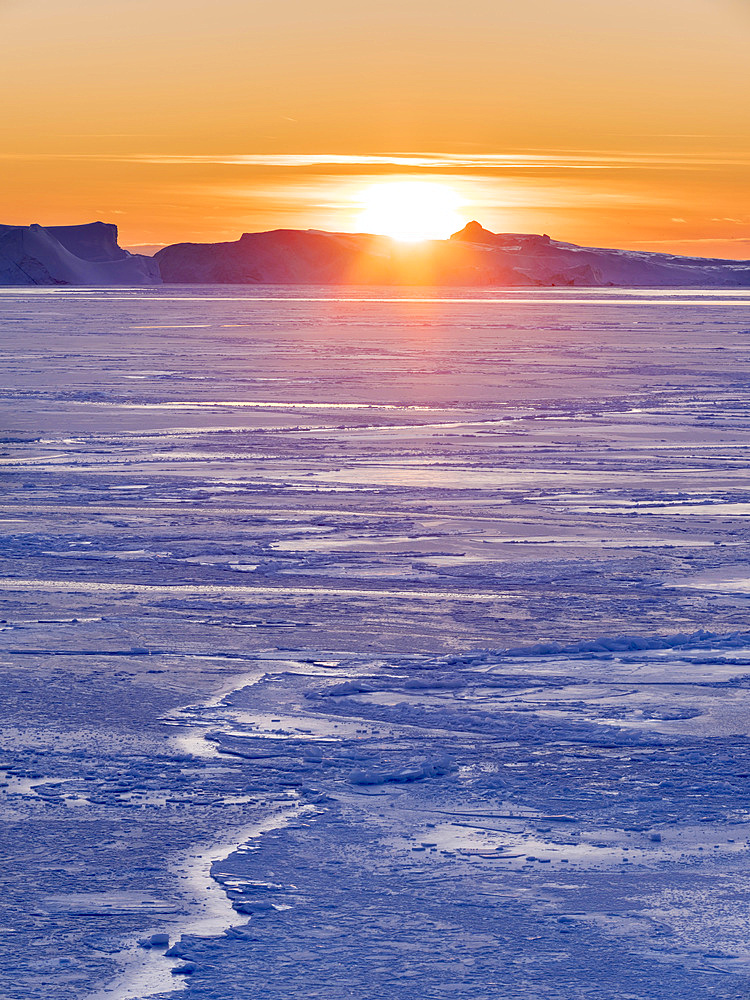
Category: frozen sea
[375,645]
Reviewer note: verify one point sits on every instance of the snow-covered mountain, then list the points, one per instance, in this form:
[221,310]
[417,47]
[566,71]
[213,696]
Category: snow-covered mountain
[473,256]
[71,255]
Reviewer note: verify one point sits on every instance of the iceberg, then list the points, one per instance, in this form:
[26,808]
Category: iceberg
[71,255]
[550,262]
[472,257]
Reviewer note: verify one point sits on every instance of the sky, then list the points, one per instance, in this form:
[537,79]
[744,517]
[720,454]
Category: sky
[601,122]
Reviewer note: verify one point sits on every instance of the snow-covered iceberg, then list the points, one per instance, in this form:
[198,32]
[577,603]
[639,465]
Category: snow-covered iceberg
[71,255]
[473,257]
[550,262]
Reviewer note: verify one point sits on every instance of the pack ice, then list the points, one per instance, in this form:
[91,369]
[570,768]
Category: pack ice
[374,644]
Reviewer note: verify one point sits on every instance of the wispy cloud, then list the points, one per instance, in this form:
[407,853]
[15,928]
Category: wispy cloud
[447,162]
[454,161]
[700,239]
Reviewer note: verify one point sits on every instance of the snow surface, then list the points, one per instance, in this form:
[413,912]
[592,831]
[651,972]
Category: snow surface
[376,647]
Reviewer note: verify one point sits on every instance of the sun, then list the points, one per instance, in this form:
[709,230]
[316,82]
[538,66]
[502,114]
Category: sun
[410,210]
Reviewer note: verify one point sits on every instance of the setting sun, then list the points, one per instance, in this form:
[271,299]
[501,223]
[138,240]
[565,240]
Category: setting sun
[411,210]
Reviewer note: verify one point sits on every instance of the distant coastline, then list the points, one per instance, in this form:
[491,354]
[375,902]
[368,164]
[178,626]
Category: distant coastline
[90,255]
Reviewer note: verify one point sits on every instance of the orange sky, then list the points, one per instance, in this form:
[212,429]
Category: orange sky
[602,122]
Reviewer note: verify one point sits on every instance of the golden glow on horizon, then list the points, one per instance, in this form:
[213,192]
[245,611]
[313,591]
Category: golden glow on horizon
[620,125]
[411,210]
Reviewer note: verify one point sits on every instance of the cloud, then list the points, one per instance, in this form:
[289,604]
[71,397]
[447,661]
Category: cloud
[453,161]
[446,162]
[701,239]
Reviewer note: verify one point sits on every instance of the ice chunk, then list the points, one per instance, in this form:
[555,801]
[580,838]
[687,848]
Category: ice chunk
[429,769]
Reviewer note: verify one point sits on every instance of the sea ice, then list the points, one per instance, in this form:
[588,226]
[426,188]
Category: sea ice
[478,721]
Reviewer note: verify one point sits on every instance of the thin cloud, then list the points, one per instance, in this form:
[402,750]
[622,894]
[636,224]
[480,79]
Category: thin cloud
[447,162]
[702,239]
[451,161]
